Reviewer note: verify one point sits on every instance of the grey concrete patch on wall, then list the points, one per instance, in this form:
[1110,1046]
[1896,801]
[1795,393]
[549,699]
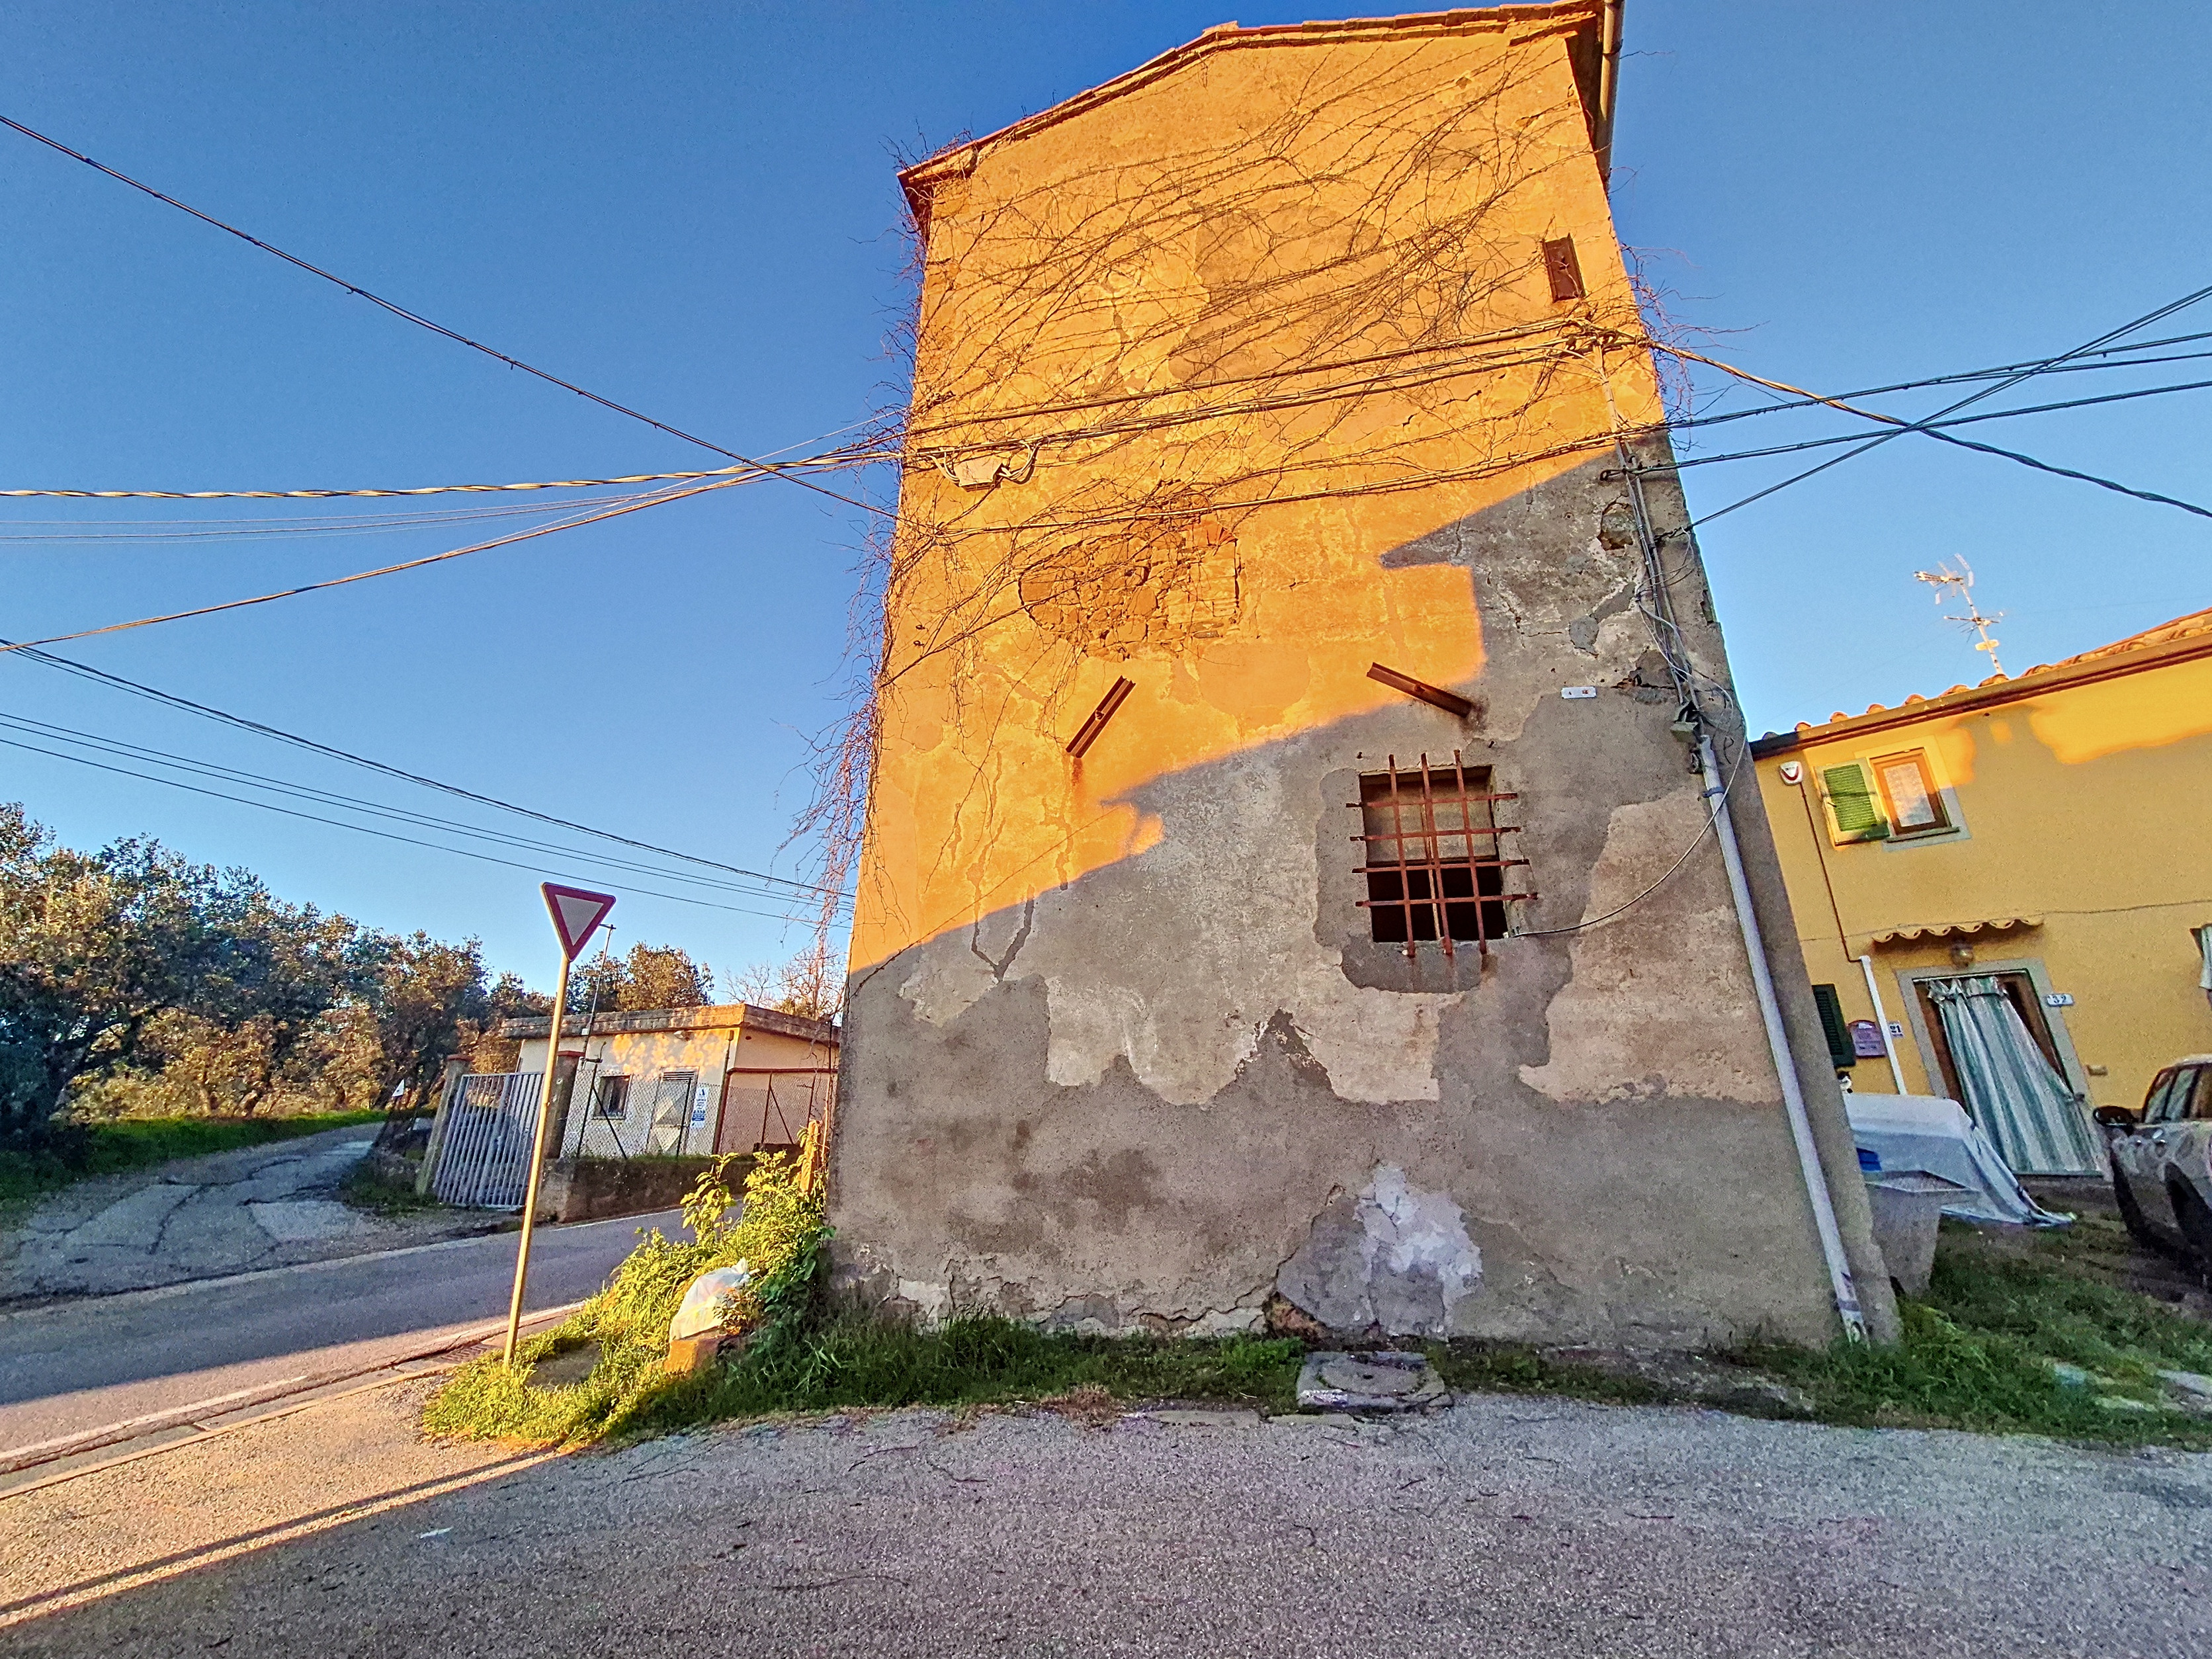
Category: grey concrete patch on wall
[1394,1261]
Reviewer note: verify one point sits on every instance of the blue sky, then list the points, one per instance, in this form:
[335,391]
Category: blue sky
[691,209]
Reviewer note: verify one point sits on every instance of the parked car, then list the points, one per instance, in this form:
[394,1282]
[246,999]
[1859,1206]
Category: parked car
[2162,1159]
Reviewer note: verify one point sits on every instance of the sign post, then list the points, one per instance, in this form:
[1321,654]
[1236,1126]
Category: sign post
[576,916]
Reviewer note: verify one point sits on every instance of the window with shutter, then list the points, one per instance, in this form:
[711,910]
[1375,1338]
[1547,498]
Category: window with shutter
[1841,1049]
[1853,811]
[1910,793]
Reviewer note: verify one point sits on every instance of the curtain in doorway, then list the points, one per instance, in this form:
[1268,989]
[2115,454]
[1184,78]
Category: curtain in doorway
[2021,1103]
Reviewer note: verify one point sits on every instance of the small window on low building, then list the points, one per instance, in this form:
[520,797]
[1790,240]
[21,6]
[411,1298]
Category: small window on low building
[1910,794]
[1435,865]
[611,1097]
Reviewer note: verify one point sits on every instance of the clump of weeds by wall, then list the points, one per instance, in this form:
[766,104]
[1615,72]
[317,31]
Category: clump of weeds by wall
[779,1234]
[1978,1352]
[801,1355]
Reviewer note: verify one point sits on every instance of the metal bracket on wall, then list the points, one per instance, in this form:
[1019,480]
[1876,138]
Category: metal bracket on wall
[1080,742]
[1450,701]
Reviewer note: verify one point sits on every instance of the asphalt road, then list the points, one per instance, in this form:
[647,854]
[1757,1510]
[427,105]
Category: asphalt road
[81,1365]
[1506,1526]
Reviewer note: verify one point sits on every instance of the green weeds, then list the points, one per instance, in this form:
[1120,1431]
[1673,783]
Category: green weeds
[1977,1354]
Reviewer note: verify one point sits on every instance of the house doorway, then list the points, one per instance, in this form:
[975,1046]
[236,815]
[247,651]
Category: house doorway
[1998,1055]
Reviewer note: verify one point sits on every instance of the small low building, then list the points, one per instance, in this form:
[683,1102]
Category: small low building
[2016,870]
[735,1078]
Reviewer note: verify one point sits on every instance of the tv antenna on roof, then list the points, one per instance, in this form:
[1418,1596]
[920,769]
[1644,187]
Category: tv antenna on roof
[1959,584]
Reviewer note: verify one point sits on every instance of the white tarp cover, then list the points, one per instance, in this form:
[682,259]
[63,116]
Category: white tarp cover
[1903,1134]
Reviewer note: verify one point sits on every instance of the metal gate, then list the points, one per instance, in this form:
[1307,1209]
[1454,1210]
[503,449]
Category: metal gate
[483,1154]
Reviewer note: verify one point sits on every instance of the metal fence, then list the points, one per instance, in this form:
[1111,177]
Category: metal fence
[483,1149]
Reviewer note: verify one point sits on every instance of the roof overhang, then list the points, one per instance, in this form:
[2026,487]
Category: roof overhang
[1938,932]
[2035,683]
[1581,22]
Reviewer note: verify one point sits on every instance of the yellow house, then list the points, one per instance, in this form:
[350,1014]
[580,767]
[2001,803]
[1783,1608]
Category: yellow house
[2017,872]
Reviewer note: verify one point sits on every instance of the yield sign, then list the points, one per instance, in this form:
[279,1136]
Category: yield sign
[576,915]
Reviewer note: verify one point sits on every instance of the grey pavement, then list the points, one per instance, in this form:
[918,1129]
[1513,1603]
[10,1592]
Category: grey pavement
[75,1366]
[199,1218]
[1505,1526]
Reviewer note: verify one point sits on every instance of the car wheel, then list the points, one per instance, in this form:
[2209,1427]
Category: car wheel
[2131,1214]
[2196,1220]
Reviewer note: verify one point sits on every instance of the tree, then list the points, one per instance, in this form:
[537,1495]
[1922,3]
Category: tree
[650,976]
[93,947]
[423,995]
[508,998]
[807,985]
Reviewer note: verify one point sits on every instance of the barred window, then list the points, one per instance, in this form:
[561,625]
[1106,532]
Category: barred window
[1435,862]
[611,1097]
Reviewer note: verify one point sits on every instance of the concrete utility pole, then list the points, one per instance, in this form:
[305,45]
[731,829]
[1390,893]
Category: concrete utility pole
[575,915]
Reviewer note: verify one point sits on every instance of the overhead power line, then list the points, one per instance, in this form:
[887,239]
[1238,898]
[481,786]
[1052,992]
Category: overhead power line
[656,499]
[1903,427]
[1962,377]
[751,887]
[833,461]
[1933,429]
[419,321]
[384,835]
[812,892]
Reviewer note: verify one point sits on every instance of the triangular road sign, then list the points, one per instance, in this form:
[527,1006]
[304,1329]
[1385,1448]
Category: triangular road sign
[576,915]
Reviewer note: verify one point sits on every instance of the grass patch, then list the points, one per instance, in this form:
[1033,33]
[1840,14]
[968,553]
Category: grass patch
[1977,1349]
[1977,1355]
[799,1357]
[855,1359]
[1516,1368]
[367,1191]
[137,1143]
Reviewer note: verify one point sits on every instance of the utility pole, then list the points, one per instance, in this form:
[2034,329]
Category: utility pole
[575,915]
[1959,584]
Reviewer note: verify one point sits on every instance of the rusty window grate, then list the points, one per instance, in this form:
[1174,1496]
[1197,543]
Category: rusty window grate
[1435,861]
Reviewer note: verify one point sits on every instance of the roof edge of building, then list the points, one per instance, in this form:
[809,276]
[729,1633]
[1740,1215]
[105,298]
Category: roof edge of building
[726,1016]
[956,161]
[2104,664]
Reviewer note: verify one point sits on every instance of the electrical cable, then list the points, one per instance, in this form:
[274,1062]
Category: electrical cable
[830,461]
[2101,341]
[1934,429]
[140,752]
[384,834]
[1961,377]
[807,889]
[133,533]
[406,315]
[656,499]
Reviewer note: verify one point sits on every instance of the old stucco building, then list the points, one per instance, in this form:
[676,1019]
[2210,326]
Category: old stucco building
[1265,570]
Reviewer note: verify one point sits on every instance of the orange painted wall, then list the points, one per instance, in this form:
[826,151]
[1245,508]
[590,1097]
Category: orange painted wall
[1331,353]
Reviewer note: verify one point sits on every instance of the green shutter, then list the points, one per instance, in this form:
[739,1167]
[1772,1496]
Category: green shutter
[1851,804]
[1841,1050]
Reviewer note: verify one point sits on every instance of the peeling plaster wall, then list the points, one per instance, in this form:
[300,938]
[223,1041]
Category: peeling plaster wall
[1120,1050]
[1155,1095]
